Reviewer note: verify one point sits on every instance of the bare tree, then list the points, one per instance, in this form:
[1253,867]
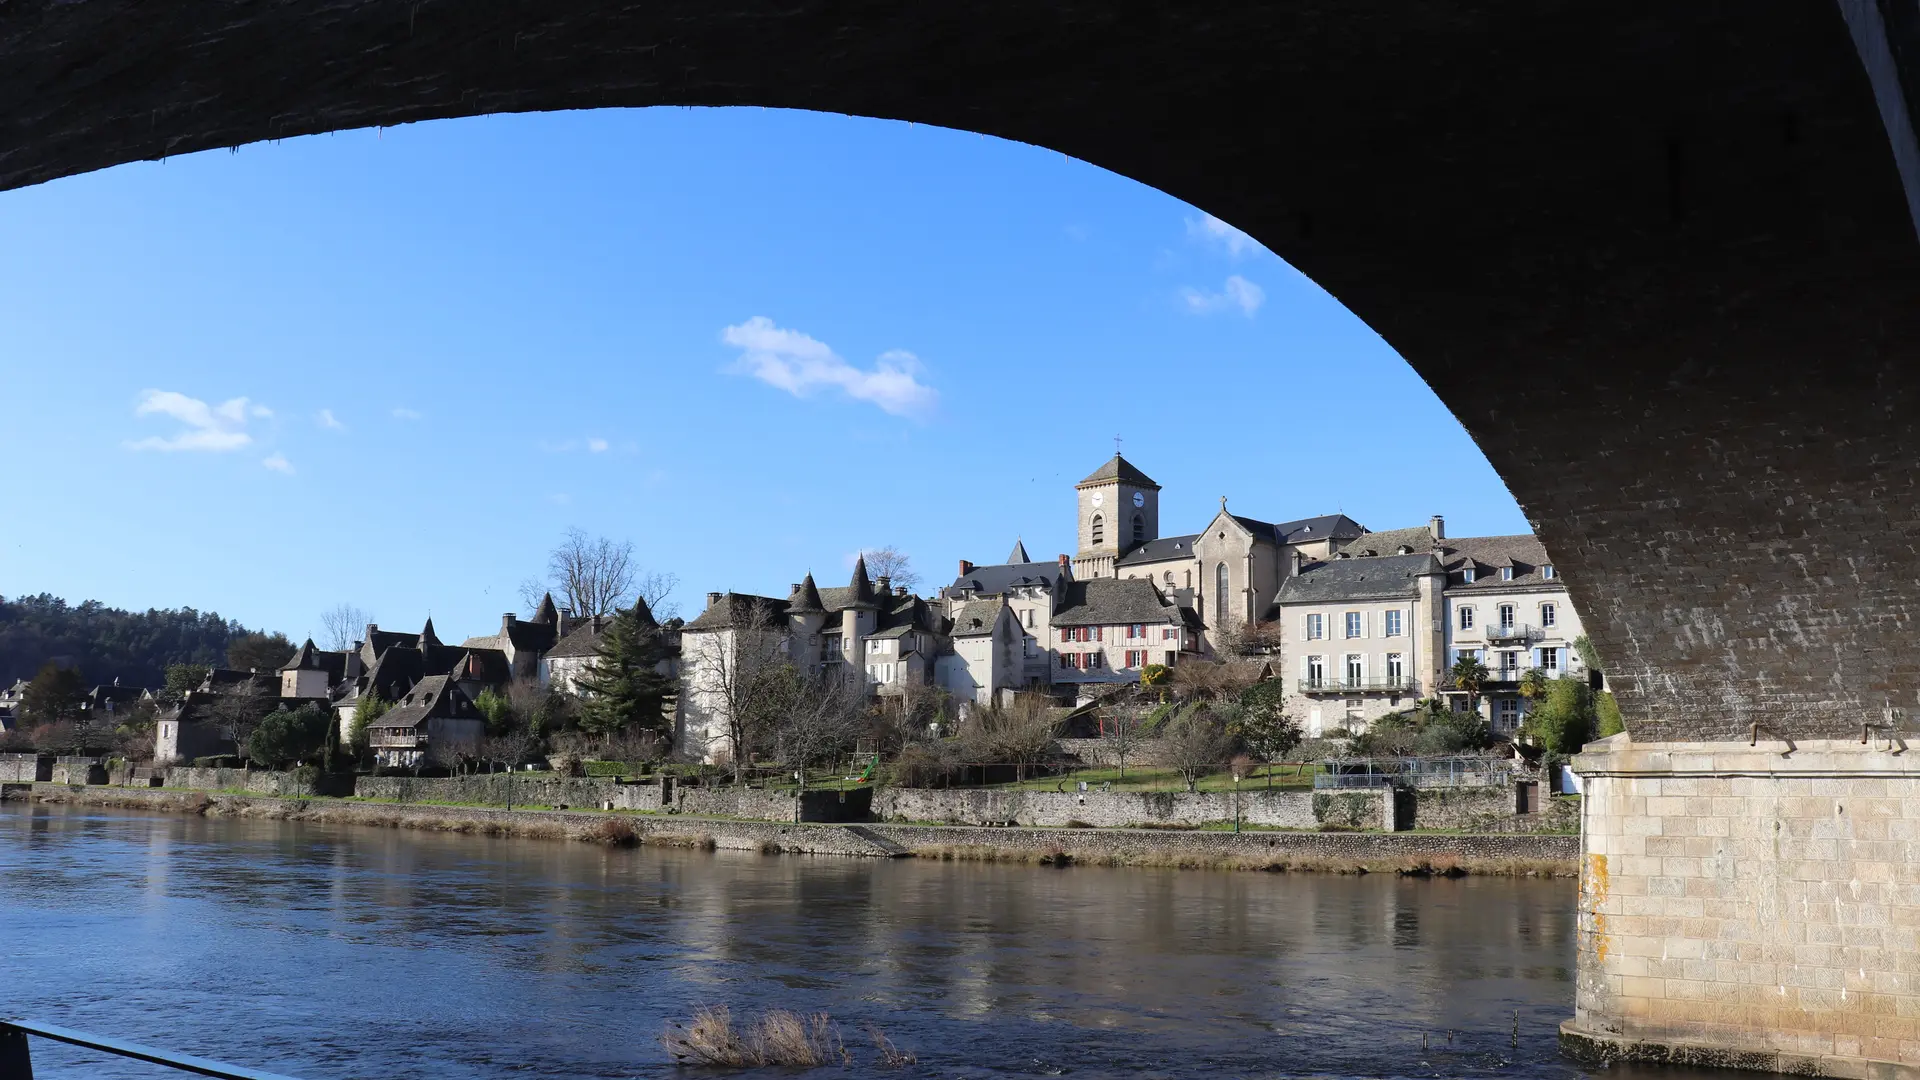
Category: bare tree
[893,564]
[1120,732]
[237,711]
[342,625]
[656,587]
[1195,742]
[737,675]
[1021,733]
[823,719]
[593,575]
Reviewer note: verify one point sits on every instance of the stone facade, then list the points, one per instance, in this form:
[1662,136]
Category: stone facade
[1117,809]
[1761,902]
[25,768]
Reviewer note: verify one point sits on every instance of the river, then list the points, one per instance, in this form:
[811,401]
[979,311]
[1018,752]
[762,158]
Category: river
[332,952]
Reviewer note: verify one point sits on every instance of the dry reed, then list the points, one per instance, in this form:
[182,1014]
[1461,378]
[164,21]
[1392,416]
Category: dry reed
[778,1037]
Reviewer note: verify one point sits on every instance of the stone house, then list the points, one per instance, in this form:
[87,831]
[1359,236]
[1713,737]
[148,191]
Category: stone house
[1108,629]
[1507,607]
[434,720]
[989,652]
[1031,591]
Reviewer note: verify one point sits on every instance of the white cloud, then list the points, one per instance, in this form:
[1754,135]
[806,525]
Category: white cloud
[597,446]
[405,414]
[1213,232]
[279,463]
[800,365]
[327,420]
[1238,292]
[559,498]
[212,428]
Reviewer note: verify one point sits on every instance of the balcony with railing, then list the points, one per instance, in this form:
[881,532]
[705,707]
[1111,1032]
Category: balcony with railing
[1387,685]
[409,741]
[1513,634]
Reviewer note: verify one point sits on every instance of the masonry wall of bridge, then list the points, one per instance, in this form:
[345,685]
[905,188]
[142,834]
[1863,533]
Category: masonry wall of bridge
[1753,906]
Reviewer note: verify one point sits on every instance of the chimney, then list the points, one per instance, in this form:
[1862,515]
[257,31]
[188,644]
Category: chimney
[713,599]
[507,619]
[884,584]
[1066,562]
[1438,527]
[965,568]
[899,590]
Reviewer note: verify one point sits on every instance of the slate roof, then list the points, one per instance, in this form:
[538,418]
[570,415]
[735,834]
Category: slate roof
[582,640]
[302,658]
[1119,468]
[995,580]
[433,696]
[1112,601]
[1334,526]
[1387,577]
[1525,553]
[1390,541]
[1019,553]
[1167,547]
[892,632]
[546,613]
[976,619]
[733,607]
[806,597]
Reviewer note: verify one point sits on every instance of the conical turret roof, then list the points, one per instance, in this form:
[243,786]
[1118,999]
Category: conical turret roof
[1119,468]
[547,613]
[860,589]
[1019,554]
[643,613]
[806,597]
[427,636]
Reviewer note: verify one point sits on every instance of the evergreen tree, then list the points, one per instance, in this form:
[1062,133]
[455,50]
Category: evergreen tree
[184,677]
[108,643]
[624,686]
[260,652]
[54,695]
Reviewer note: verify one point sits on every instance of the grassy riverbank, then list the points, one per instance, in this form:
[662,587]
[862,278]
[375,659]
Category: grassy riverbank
[1266,850]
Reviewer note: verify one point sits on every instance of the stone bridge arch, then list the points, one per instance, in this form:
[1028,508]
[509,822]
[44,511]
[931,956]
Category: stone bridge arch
[1657,257]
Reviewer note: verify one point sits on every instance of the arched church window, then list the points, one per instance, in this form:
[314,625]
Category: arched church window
[1220,609]
[1139,529]
[1099,530]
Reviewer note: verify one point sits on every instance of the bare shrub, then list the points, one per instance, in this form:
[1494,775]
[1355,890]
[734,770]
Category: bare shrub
[1209,681]
[613,832]
[891,1056]
[778,1038]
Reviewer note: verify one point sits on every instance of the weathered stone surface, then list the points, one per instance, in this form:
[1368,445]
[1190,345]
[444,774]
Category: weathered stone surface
[1678,311]
[26,768]
[1751,903]
[1123,809]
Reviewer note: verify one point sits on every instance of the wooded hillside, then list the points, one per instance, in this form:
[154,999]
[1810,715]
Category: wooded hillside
[105,642]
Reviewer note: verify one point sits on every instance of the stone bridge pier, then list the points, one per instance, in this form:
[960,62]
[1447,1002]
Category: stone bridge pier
[1659,258]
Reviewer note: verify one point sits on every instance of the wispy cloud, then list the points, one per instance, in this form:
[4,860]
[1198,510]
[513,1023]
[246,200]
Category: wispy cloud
[1238,292]
[326,419]
[596,446]
[801,365]
[211,428]
[404,413]
[279,463]
[1213,232]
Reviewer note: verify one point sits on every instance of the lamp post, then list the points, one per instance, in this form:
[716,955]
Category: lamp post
[1236,802]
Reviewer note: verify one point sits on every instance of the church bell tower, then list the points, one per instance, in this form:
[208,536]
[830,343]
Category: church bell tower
[1119,509]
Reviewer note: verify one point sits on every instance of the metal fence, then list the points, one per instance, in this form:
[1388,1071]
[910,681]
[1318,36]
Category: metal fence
[16,1056]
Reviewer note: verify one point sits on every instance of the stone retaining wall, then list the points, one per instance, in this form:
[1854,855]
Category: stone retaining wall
[1249,850]
[1113,809]
[25,768]
[500,789]
[257,781]
[1491,810]
[79,770]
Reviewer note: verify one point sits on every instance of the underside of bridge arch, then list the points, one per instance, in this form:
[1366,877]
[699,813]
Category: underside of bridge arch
[1656,257]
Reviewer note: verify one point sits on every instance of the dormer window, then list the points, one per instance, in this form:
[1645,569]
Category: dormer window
[1466,573]
[1506,573]
[1404,550]
[1546,571]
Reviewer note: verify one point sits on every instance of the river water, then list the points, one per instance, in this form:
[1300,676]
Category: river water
[332,952]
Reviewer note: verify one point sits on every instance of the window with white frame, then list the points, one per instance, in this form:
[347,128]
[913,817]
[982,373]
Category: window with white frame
[1546,570]
[1393,623]
[1316,670]
[1136,658]
[1028,618]
[1549,615]
[1396,667]
[1506,616]
[1466,618]
[1506,573]
[1356,669]
[1316,627]
[1096,660]
[1353,624]
[1550,659]
[1506,714]
[1466,573]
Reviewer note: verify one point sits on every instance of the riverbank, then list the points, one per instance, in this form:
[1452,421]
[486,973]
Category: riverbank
[1267,850]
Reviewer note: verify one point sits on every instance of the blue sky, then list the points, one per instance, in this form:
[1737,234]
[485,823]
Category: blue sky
[392,368]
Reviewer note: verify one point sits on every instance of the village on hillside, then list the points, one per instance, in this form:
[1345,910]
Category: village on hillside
[1347,631]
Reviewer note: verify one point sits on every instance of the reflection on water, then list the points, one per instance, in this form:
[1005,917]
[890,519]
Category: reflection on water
[332,952]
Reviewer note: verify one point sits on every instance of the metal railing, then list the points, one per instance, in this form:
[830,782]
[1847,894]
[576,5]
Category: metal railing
[16,1059]
[1513,632]
[1340,686]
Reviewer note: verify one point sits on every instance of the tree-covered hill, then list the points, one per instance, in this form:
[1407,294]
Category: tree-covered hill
[105,642]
